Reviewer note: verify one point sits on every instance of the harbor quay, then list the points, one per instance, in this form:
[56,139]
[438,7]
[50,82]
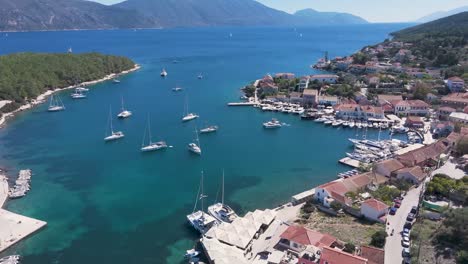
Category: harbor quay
[14,227]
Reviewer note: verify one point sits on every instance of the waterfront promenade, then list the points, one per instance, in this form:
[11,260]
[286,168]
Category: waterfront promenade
[14,227]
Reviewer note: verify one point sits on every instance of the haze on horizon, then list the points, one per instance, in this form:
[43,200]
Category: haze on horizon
[371,10]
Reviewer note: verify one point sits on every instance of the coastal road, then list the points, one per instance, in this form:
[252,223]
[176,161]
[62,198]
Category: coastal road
[393,247]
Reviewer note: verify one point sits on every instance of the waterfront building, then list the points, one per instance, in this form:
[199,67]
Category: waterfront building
[414,174]
[267,86]
[361,112]
[374,210]
[388,167]
[298,239]
[285,75]
[414,122]
[427,155]
[412,107]
[328,100]
[295,98]
[310,96]
[324,78]
[459,117]
[304,83]
[456,84]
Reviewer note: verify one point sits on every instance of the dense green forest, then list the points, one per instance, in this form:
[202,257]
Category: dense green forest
[441,42]
[26,75]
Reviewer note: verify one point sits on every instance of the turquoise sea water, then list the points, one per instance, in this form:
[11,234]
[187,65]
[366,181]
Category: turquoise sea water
[109,203]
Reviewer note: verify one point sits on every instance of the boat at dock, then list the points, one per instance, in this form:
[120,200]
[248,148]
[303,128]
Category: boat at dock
[55,104]
[124,112]
[200,76]
[151,146]
[200,220]
[195,146]
[114,135]
[273,123]
[209,129]
[221,211]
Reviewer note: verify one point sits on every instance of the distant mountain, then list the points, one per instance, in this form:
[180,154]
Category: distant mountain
[442,14]
[312,16]
[17,15]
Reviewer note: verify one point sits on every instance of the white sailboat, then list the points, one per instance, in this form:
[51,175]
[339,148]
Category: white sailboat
[81,89]
[195,147]
[221,211]
[188,116]
[200,220]
[209,129]
[124,113]
[114,135]
[151,146]
[78,94]
[55,104]
[163,73]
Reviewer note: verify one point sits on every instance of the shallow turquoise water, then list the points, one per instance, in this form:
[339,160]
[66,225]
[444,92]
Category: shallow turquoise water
[109,203]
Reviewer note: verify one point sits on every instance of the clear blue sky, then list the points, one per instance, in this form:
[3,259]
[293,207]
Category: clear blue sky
[372,10]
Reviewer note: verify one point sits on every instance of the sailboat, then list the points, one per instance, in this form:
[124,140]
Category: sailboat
[125,113]
[78,94]
[114,135]
[221,211]
[188,116]
[151,146]
[55,104]
[209,129]
[195,147]
[163,73]
[200,220]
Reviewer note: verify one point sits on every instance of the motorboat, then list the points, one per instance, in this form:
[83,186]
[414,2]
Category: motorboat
[163,73]
[273,123]
[189,116]
[209,129]
[78,95]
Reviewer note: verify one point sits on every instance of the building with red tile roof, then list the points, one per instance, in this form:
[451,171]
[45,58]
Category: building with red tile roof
[335,256]
[374,209]
[456,84]
[424,155]
[387,167]
[373,255]
[455,100]
[414,174]
[414,122]
[412,107]
[298,239]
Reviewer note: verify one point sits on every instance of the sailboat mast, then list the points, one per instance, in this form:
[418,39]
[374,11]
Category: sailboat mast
[123,108]
[202,196]
[149,131]
[110,118]
[222,193]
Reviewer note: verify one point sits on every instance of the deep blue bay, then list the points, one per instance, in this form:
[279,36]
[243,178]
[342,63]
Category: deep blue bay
[109,203]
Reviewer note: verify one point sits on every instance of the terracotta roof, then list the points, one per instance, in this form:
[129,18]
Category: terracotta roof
[310,92]
[423,154]
[305,236]
[334,256]
[391,165]
[414,119]
[416,171]
[375,204]
[373,255]
[389,97]
[346,107]
[413,103]
[447,109]
[456,97]
[456,79]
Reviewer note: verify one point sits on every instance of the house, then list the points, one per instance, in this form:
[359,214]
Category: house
[328,100]
[297,238]
[335,256]
[373,255]
[402,55]
[310,97]
[336,190]
[388,167]
[285,75]
[361,112]
[374,210]
[430,97]
[456,84]
[295,98]
[304,83]
[414,174]
[267,85]
[324,78]
[414,122]
[412,107]
[458,117]
[425,155]
[444,112]
[442,129]
[455,100]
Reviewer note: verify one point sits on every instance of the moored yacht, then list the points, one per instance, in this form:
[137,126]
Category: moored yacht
[124,112]
[81,89]
[195,147]
[200,220]
[114,135]
[55,104]
[78,95]
[209,129]
[151,146]
[221,211]
[188,116]
[273,123]
[163,73]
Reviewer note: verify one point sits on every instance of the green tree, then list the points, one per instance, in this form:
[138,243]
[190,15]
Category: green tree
[349,247]
[336,206]
[378,239]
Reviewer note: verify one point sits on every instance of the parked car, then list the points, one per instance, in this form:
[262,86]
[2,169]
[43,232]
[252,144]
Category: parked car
[408,225]
[405,239]
[414,210]
[406,252]
[405,244]
[397,200]
[397,205]
[392,211]
[406,232]
[410,217]
[406,261]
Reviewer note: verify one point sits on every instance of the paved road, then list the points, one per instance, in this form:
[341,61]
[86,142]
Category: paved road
[393,246]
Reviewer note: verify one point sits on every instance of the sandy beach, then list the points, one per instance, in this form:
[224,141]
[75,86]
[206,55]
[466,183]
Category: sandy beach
[42,97]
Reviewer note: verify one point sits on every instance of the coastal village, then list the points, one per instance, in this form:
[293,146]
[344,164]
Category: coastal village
[369,214]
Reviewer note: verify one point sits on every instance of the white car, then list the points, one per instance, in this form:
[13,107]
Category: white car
[406,232]
[405,239]
[405,244]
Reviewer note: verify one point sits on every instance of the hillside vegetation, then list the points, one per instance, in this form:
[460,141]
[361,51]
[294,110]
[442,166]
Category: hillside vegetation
[27,75]
[439,43]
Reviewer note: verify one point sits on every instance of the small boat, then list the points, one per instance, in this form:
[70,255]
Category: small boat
[78,95]
[114,135]
[70,50]
[195,147]
[81,89]
[163,73]
[191,253]
[116,81]
[200,76]
[273,123]
[328,121]
[345,124]
[151,146]
[359,125]
[209,129]
[124,113]
[352,124]
[55,104]
[177,89]
[200,220]
[188,116]
[320,120]
[221,211]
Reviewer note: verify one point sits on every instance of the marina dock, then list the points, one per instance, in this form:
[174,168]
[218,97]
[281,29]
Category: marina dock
[350,162]
[242,104]
[14,227]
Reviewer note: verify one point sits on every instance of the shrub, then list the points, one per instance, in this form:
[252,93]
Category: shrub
[378,239]
[349,247]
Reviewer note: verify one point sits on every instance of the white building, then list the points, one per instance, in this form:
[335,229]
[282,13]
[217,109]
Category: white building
[304,83]
[458,117]
[374,210]
[358,112]
[456,84]
[412,107]
[324,78]
[328,100]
